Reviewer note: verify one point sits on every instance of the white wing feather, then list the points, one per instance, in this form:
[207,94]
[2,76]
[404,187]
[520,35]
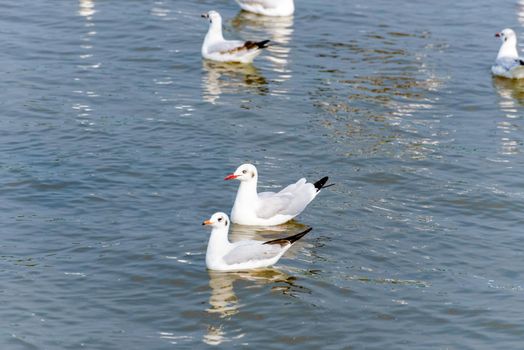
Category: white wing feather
[291,200]
[232,51]
[509,63]
[251,251]
[225,46]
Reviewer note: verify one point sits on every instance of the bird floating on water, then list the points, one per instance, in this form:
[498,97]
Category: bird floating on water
[268,7]
[508,63]
[216,48]
[222,255]
[270,208]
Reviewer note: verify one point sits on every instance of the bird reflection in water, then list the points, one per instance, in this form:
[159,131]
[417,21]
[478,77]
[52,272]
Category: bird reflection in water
[214,336]
[224,302]
[511,93]
[87,8]
[87,63]
[231,78]
[278,29]
[223,299]
[520,12]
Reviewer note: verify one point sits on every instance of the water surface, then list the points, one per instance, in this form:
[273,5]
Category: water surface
[116,137]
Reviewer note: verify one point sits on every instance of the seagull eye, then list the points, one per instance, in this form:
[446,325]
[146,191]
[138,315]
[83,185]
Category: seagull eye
[219,219]
[244,171]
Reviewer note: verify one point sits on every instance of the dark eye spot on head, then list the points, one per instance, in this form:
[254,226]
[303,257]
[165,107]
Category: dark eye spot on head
[219,219]
[227,223]
[253,174]
[244,171]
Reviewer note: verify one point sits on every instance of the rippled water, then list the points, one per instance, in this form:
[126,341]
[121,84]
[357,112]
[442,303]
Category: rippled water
[115,137]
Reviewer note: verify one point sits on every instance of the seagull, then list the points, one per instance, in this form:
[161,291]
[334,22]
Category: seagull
[508,63]
[216,48]
[223,255]
[269,208]
[268,7]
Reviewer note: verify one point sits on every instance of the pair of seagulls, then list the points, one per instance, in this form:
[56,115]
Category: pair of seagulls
[508,63]
[216,48]
[253,208]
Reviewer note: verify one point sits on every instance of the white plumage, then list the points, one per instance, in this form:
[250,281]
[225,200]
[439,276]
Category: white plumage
[268,7]
[269,208]
[223,255]
[216,48]
[508,63]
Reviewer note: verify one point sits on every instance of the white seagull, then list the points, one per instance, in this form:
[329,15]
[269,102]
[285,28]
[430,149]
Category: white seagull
[508,63]
[222,255]
[216,48]
[268,7]
[269,208]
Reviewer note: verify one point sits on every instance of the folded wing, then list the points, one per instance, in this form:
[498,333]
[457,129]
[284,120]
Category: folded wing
[251,251]
[510,63]
[236,47]
[291,200]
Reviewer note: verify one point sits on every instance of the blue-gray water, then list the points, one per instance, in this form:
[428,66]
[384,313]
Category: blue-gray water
[115,138]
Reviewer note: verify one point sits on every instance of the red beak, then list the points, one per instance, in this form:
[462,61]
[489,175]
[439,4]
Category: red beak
[497,35]
[231,177]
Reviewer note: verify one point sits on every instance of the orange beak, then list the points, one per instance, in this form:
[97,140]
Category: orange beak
[231,177]
[497,35]
[207,222]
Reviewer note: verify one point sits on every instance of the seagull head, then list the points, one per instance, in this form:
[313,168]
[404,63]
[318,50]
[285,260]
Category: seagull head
[213,16]
[506,34]
[245,172]
[217,220]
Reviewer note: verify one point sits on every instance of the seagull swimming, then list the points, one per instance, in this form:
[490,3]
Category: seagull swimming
[269,208]
[222,255]
[268,7]
[216,48]
[508,63]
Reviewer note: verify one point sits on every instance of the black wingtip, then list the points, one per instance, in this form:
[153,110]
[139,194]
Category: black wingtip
[294,238]
[521,62]
[263,44]
[320,184]
[290,239]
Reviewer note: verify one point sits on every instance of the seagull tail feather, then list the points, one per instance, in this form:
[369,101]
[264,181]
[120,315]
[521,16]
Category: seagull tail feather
[320,184]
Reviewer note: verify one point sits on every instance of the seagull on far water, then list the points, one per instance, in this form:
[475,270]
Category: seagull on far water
[268,7]
[223,255]
[216,48]
[508,63]
[269,208]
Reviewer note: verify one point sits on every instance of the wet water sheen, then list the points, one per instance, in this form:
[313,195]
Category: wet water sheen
[115,138]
